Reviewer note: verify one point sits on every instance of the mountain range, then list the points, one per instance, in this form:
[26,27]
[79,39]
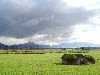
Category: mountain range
[32,45]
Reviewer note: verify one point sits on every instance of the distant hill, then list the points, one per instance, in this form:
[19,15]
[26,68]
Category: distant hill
[32,45]
[76,44]
[29,45]
[2,46]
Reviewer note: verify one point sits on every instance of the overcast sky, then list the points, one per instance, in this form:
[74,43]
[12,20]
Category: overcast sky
[49,21]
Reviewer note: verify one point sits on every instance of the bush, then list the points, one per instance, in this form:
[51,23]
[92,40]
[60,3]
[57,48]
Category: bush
[90,59]
[71,58]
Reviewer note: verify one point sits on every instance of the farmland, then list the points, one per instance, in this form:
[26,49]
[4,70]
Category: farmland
[47,63]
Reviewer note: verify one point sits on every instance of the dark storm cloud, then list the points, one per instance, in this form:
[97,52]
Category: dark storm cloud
[24,18]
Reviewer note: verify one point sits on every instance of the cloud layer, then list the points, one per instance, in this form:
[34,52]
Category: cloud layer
[26,18]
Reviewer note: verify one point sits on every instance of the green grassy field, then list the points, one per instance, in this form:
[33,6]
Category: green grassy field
[45,64]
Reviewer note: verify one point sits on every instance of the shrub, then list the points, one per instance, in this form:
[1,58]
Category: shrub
[90,59]
[71,58]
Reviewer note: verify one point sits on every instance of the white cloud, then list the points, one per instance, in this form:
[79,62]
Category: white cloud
[89,33]
[11,41]
[88,4]
[95,20]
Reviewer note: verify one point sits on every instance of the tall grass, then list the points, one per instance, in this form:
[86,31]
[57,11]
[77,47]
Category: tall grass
[40,51]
